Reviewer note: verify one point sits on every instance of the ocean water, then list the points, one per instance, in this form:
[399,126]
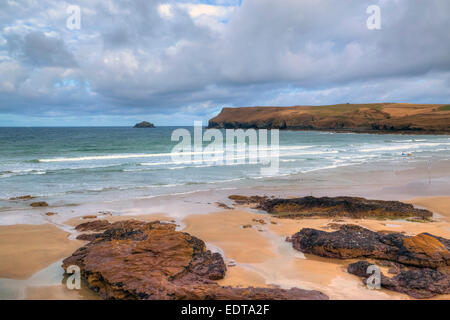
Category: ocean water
[76,165]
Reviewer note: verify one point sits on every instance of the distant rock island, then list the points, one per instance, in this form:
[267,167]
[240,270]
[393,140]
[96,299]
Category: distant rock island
[144,124]
[362,118]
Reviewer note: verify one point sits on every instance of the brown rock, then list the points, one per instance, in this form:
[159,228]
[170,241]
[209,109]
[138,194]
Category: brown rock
[39,204]
[350,241]
[96,225]
[223,205]
[27,197]
[246,200]
[88,236]
[260,221]
[351,207]
[89,217]
[50,213]
[138,260]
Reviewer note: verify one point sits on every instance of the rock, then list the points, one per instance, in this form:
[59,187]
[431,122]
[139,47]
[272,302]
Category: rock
[420,283]
[97,225]
[260,221]
[39,204]
[223,205]
[139,260]
[247,200]
[89,217]
[350,241]
[246,226]
[50,214]
[88,236]
[351,207]
[27,197]
[144,124]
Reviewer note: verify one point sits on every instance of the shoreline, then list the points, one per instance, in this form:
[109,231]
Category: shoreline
[257,256]
[265,260]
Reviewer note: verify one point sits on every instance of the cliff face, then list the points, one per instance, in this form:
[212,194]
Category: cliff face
[377,118]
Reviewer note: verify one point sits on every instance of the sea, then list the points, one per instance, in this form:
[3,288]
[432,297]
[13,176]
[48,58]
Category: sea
[70,166]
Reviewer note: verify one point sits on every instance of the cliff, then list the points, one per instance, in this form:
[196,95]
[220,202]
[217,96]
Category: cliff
[371,118]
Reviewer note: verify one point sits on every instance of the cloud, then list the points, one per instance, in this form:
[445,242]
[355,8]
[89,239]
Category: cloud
[189,58]
[39,50]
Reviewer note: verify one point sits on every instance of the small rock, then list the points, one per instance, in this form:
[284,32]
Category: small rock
[39,204]
[223,205]
[260,221]
[50,213]
[89,217]
[27,197]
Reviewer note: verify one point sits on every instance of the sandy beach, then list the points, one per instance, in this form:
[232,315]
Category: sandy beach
[252,243]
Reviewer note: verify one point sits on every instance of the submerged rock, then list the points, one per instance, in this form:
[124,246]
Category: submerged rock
[420,283]
[350,241]
[139,260]
[351,207]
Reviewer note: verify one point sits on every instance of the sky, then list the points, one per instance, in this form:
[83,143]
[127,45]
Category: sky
[173,62]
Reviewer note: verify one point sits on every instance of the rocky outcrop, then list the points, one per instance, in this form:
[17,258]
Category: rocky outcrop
[144,124]
[139,260]
[350,241]
[372,118]
[421,263]
[351,207]
[420,283]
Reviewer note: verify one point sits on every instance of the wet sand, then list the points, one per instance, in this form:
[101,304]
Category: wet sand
[26,249]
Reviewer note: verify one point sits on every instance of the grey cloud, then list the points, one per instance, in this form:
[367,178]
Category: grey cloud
[40,50]
[133,60]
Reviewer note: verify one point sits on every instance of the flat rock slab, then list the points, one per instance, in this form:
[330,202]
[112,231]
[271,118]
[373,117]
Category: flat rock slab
[351,241]
[351,207]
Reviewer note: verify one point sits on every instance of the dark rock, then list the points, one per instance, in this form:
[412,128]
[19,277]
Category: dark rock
[27,197]
[89,217]
[247,200]
[223,206]
[144,124]
[88,236]
[352,241]
[420,283]
[138,260]
[351,207]
[39,204]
